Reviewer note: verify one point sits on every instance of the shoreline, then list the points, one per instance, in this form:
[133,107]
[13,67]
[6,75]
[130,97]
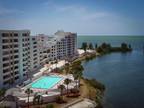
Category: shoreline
[86,56]
[93,89]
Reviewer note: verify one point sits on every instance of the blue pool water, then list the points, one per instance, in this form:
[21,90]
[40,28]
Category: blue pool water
[46,82]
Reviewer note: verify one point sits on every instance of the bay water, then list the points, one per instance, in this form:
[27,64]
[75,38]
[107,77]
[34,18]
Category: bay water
[121,73]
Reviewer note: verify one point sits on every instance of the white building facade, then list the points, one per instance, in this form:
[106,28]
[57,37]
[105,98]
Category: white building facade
[34,54]
[62,46]
[21,54]
[14,56]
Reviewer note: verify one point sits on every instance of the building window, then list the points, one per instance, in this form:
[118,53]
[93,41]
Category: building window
[5,52]
[15,62]
[6,76]
[5,46]
[5,70]
[24,34]
[16,72]
[5,40]
[5,58]
[35,66]
[5,34]
[16,56]
[5,64]
[17,77]
[15,46]
[15,34]
[15,40]
[33,39]
[16,67]
[15,51]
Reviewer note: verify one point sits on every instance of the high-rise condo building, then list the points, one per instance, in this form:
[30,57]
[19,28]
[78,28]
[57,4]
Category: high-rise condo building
[21,54]
[14,56]
[62,45]
[34,54]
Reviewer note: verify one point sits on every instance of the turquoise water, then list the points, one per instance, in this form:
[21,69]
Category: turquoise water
[121,73]
[46,82]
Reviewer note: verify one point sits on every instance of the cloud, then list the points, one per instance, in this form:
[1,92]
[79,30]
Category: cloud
[76,11]
[70,8]
[6,11]
[51,16]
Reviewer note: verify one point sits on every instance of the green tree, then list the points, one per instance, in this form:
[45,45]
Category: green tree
[75,75]
[77,69]
[2,92]
[34,99]
[104,45]
[67,68]
[84,46]
[37,99]
[96,46]
[11,82]
[129,46]
[28,92]
[49,106]
[99,50]
[65,58]
[124,47]
[77,72]
[61,87]
[90,46]
[56,61]
[67,81]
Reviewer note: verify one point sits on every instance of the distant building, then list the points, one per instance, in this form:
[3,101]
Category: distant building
[43,50]
[62,45]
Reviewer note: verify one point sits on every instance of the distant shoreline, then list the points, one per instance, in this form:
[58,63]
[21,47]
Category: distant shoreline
[112,35]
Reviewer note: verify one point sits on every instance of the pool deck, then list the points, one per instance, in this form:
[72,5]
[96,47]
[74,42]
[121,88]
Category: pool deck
[43,89]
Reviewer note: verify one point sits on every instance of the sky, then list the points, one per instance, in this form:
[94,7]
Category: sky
[85,17]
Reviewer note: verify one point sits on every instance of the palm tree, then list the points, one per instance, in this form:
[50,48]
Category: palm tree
[65,58]
[84,46]
[11,82]
[37,99]
[129,46]
[90,46]
[77,69]
[67,81]
[28,92]
[56,62]
[96,46]
[61,87]
[79,74]
[75,75]
[67,68]
[2,92]
[124,47]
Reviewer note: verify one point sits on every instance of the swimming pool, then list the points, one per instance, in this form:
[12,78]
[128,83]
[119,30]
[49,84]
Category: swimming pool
[46,82]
